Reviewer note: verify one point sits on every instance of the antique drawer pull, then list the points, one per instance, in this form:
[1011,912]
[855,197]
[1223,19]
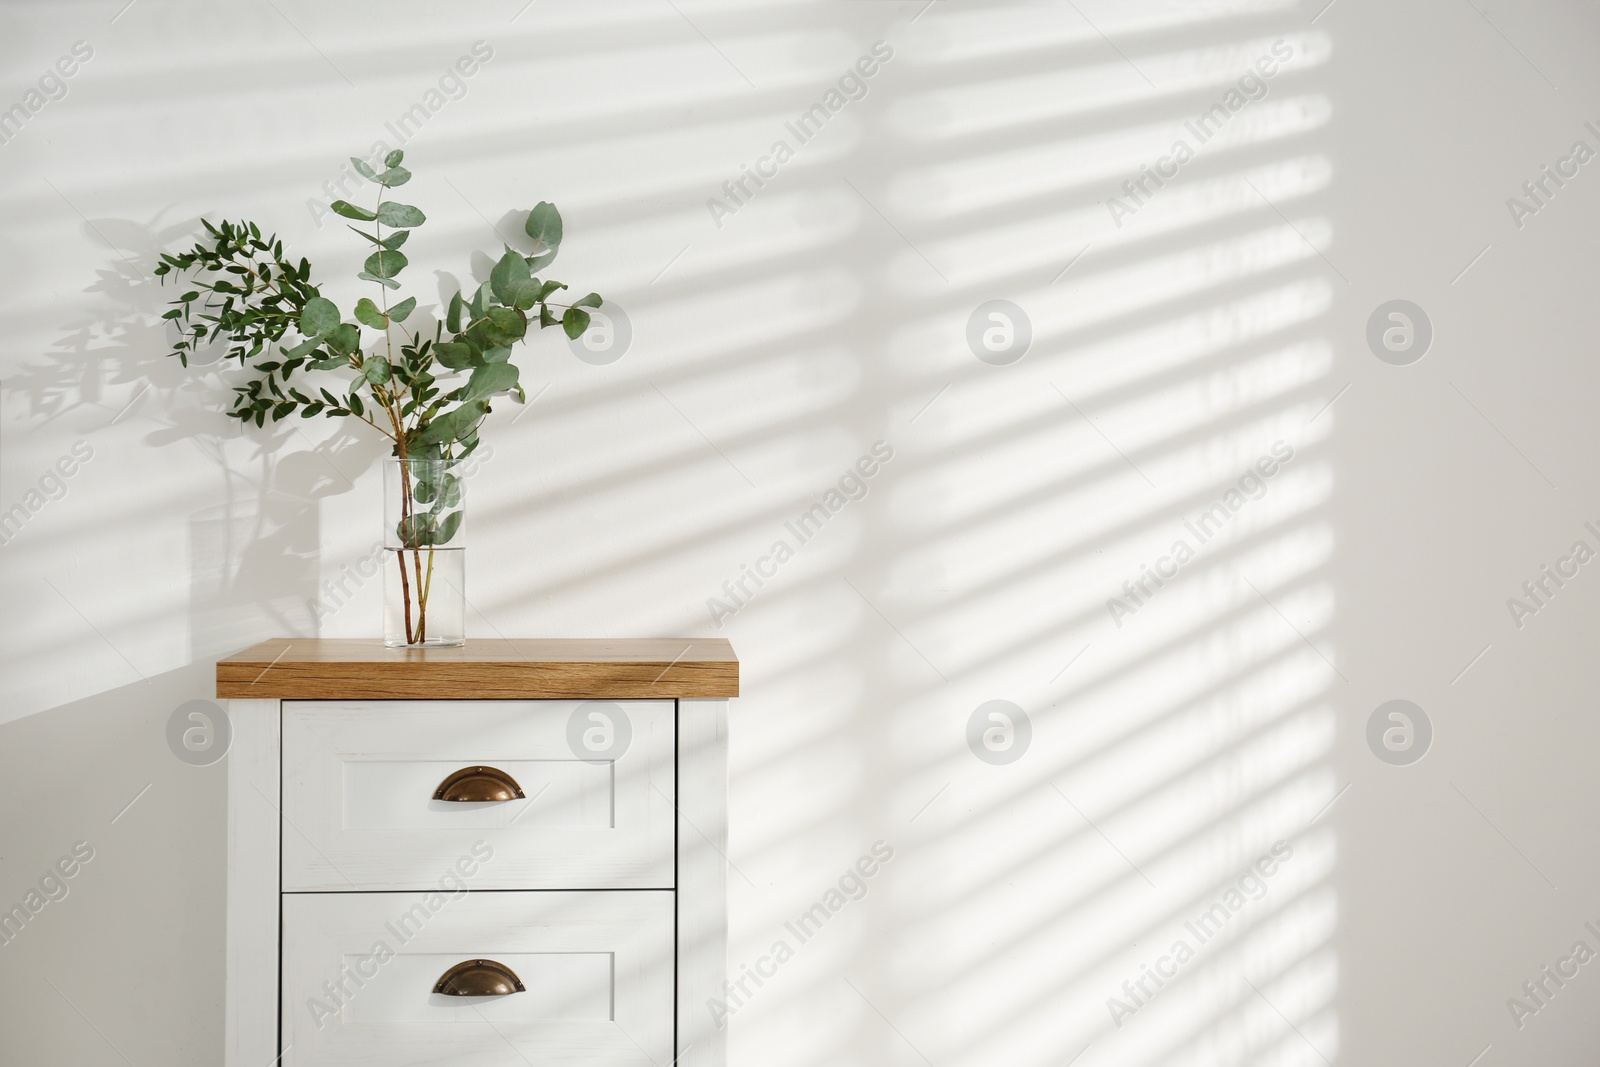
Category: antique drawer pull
[479,978]
[478,785]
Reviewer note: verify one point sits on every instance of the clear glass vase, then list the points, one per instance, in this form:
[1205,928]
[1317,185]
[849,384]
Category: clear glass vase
[425,553]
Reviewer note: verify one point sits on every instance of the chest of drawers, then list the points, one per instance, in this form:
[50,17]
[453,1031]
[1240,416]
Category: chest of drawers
[506,853]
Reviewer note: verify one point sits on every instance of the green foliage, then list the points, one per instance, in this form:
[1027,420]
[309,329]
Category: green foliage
[428,394]
[253,295]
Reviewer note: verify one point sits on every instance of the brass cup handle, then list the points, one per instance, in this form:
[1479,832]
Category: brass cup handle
[479,978]
[476,785]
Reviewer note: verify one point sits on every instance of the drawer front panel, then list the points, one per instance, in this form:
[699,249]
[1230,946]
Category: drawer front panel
[359,971]
[359,779]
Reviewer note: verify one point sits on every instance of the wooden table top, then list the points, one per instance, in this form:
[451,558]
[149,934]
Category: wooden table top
[307,668]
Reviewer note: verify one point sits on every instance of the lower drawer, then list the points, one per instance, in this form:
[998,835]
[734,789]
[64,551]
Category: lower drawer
[360,970]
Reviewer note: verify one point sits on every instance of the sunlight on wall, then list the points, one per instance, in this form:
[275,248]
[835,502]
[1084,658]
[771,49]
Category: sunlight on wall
[1173,746]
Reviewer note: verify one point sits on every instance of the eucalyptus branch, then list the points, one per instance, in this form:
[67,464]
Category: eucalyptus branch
[433,393]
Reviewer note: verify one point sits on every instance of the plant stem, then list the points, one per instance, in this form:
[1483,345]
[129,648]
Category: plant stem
[422,595]
[425,587]
[422,598]
[405,590]
[408,533]
[407,530]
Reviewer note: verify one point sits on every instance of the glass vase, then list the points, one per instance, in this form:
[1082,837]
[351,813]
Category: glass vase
[424,557]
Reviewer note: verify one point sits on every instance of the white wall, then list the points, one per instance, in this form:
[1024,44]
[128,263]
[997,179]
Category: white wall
[771,351]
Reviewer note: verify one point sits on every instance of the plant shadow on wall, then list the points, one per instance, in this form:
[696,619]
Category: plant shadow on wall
[255,558]
[253,533]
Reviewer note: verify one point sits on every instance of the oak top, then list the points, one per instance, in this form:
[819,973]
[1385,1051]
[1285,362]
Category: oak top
[308,668]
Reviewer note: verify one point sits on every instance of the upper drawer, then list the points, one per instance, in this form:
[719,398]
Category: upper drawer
[360,780]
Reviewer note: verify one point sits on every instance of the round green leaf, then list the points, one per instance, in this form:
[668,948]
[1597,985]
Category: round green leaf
[575,321]
[400,216]
[511,269]
[385,264]
[367,312]
[344,338]
[544,225]
[320,316]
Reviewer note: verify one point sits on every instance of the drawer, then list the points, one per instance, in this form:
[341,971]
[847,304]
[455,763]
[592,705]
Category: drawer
[359,972]
[597,808]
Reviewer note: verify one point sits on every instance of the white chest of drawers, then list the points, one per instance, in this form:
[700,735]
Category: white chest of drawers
[489,856]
